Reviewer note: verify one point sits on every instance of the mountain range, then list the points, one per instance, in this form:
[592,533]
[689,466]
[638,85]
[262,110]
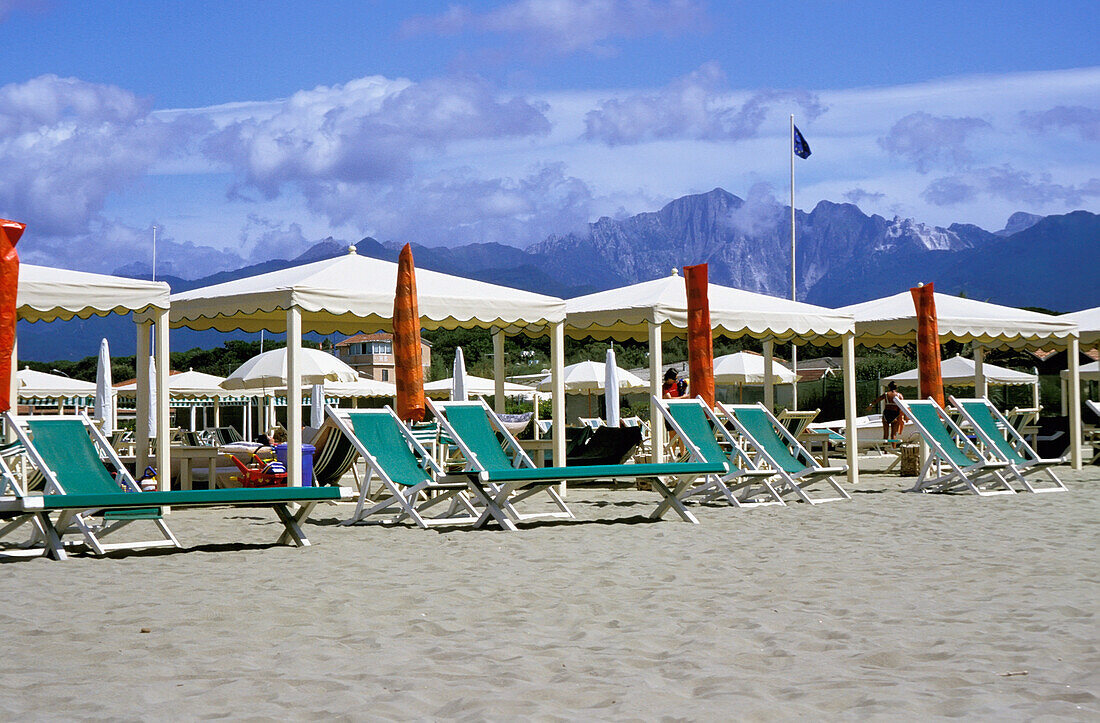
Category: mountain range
[844,256]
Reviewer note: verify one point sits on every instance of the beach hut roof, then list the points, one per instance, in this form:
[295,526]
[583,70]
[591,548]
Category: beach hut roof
[1089,372]
[41,385]
[362,387]
[1088,323]
[892,320]
[353,293]
[959,371]
[626,312]
[188,385]
[46,294]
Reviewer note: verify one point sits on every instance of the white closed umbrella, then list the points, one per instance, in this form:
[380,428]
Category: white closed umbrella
[611,388]
[268,370]
[152,411]
[458,379]
[104,390]
[317,406]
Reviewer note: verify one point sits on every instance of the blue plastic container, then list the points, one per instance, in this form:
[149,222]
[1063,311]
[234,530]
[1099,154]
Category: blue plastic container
[307,461]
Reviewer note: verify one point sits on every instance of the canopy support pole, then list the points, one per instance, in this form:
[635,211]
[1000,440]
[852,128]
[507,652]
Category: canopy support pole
[656,421]
[769,380]
[498,371]
[557,404]
[217,413]
[163,361]
[980,386]
[1073,354]
[293,397]
[1035,388]
[141,412]
[850,434]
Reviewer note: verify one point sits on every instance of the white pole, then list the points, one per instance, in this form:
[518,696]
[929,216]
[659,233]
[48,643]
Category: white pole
[769,378]
[154,253]
[141,412]
[656,421]
[498,371]
[1073,353]
[557,384]
[293,397]
[794,288]
[851,435]
[980,386]
[164,434]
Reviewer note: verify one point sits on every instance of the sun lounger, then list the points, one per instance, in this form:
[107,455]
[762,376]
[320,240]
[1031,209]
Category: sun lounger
[500,482]
[742,484]
[78,488]
[334,455]
[967,466]
[413,478]
[780,451]
[1006,442]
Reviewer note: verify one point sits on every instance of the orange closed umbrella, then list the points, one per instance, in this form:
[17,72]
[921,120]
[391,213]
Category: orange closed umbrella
[10,231]
[700,336]
[928,343]
[407,355]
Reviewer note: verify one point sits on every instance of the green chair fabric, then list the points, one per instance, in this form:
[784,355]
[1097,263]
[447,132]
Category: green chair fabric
[980,415]
[693,420]
[929,418]
[379,434]
[471,424]
[760,427]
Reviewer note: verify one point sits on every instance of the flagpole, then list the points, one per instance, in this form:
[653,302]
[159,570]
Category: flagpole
[794,292]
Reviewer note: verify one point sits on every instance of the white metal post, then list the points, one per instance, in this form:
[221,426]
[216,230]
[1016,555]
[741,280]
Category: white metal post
[794,286]
[557,384]
[769,372]
[141,414]
[980,386]
[850,412]
[293,397]
[656,421]
[1073,352]
[164,433]
[498,371]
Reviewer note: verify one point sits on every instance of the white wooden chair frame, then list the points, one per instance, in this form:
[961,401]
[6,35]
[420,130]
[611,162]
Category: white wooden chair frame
[749,482]
[500,498]
[1020,471]
[983,478]
[412,500]
[80,521]
[795,483]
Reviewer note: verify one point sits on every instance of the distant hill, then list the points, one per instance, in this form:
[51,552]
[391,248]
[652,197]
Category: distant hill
[844,256]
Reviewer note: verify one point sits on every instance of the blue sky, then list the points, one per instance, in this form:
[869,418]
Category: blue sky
[250,129]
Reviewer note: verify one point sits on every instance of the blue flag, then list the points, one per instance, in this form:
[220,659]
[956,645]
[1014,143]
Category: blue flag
[801,147]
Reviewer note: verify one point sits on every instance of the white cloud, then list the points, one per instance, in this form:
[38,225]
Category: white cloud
[927,140]
[563,27]
[697,106]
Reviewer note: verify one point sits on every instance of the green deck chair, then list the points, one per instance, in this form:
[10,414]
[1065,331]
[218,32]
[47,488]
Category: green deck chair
[784,454]
[79,488]
[475,429]
[406,469]
[1006,442]
[743,484]
[948,445]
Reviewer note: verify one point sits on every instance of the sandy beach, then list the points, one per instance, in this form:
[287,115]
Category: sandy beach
[888,607]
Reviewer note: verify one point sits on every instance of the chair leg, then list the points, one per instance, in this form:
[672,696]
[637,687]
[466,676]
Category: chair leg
[672,500]
[492,505]
[291,522]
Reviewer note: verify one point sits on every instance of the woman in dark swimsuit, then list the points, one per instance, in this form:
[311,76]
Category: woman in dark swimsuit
[892,422]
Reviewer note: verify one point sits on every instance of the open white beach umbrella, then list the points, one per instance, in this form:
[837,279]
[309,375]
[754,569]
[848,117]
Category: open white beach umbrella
[746,368]
[458,378]
[959,371]
[611,388]
[104,390]
[317,406]
[590,376]
[268,370]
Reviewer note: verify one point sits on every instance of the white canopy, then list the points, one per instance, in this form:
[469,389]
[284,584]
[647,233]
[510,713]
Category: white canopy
[590,376]
[189,385]
[347,390]
[1088,324]
[46,294]
[959,371]
[40,385]
[1089,372]
[892,320]
[476,386]
[269,370]
[747,368]
[626,313]
[354,293]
